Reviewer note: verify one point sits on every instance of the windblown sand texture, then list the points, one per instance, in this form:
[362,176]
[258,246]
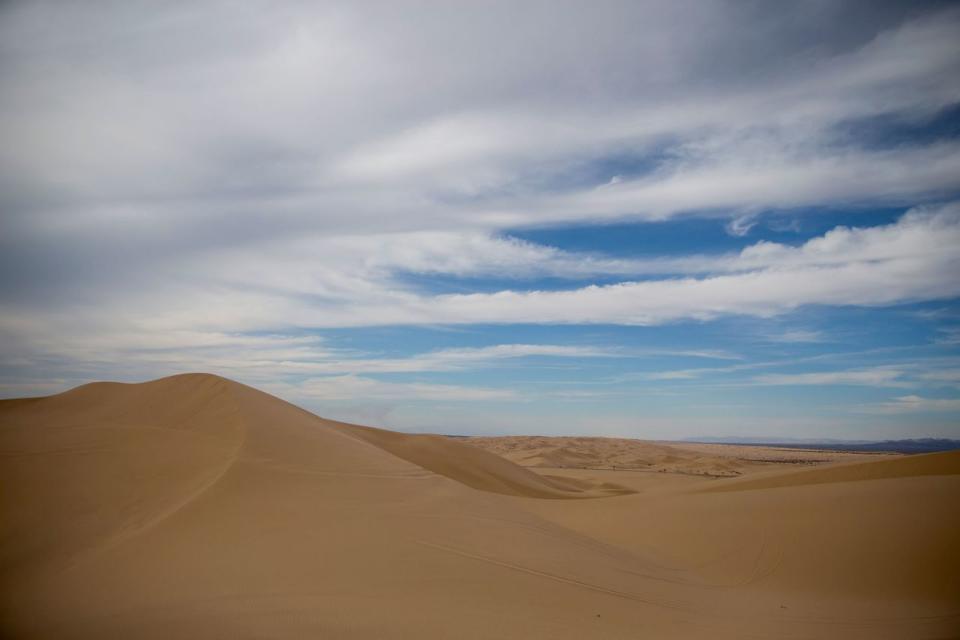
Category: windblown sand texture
[196,507]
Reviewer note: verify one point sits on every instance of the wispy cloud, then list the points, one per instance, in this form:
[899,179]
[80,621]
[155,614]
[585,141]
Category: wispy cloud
[452,359]
[873,377]
[741,225]
[359,389]
[917,404]
[946,377]
[906,370]
[949,336]
[795,336]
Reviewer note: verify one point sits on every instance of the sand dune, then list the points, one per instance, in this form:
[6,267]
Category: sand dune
[716,460]
[194,506]
[933,464]
[477,468]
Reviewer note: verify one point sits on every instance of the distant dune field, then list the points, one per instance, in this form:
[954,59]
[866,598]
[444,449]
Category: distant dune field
[197,507]
[720,460]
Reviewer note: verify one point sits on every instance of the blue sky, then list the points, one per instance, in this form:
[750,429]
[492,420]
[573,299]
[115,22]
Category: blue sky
[645,219]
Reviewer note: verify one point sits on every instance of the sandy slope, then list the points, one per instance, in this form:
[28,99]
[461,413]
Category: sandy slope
[477,468]
[193,506]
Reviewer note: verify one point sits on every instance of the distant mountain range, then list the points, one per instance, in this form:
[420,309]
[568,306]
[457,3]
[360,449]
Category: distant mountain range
[916,445]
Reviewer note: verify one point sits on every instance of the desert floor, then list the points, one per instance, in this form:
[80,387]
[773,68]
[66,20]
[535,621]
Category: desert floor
[196,507]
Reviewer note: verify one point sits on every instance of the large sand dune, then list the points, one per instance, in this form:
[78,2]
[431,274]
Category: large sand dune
[194,506]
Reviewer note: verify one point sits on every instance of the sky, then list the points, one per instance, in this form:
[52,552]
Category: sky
[643,219]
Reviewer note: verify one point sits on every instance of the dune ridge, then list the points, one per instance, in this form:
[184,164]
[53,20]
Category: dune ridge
[194,506]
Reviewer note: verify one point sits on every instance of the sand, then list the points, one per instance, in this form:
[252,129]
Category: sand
[193,506]
[718,460]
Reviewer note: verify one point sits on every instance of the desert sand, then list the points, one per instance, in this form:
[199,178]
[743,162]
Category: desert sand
[197,507]
[718,460]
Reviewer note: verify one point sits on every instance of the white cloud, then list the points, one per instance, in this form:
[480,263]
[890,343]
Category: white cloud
[448,359]
[357,265]
[359,389]
[684,374]
[872,377]
[739,177]
[796,336]
[918,404]
[189,186]
[316,284]
[474,358]
[740,226]
[914,259]
[267,358]
[271,117]
[942,377]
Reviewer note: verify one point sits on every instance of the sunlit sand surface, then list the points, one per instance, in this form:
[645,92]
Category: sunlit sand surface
[197,507]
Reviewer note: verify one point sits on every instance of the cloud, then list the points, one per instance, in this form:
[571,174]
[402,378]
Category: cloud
[88,353]
[740,177]
[358,389]
[796,336]
[196,185]
[946,377]
[950,336]
[918,404]
[740,226]
[249,300]
[269,358]
[685,374]
[267,117]
[872,377]
[912,260]
[450,359]
[476,358]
